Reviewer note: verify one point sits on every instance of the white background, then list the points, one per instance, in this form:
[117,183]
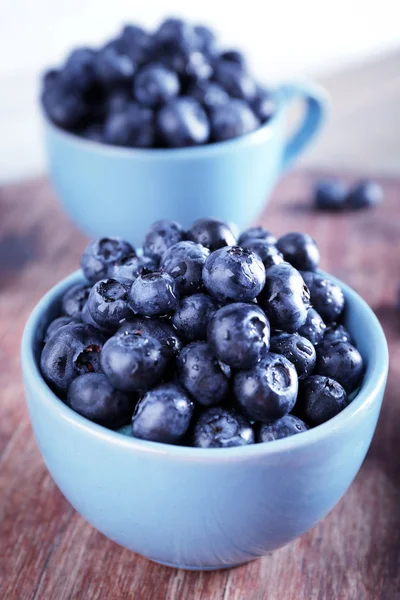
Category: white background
[285,38]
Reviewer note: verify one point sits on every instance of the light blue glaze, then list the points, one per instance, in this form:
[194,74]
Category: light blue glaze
[196,508]
[108,190]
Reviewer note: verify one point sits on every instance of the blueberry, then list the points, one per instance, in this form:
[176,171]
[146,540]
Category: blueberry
[66,108]
[206,40]
[297,349]
[209,94]
[154,294]
[326,297]
[300,250]
[211,233]
[184,261]
[234,56]
[337,333]
[256,233]
[51,79]
[161,235]
[239,334]
[160,329]
[268,253]
[364,195]
[235,81]
[282,428]
[222,428]
[177,33]
[94,132]
[102,253]
[321,399]
[154,85]
[233,119]
[79,71]
[330,194]
[133,127]
[75,350]
[314,328]
[200,374]
[163,415]
[92,396]
[133,362]
[56,325]
[268,390]
[192,316]
[118,100]
[340,361]
[264,105]
[129,267]
[234,274]
[113,68]
[136,42]
[192,67]
[108,303]
[285,298]
[183,122]
[74,300]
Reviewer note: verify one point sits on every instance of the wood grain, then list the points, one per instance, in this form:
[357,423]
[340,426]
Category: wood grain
[48,552]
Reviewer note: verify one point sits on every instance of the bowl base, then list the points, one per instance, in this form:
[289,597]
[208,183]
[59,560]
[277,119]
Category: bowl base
[202,568]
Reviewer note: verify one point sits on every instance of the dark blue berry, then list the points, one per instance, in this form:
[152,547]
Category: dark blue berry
[285,298]
[133,362]
[330,194]
[160,329]
[183,122]
[234,56]
[340,361]
[314,328]
[300,250]
[206,40]
[192,316]
[222,428]
[94,132]
[133,127]
[297,349]
[268,253]
[337,333]
[192,66]
[264,105]
[113,68]
[161,235]
[232,274]
[209,94]
[176,33]
[154,85]
[233,119]
[267,391]
[79,71]
[282,428]
[235,81]
[108,303]
[66,108]
[239,334]
[56,325]
[102,253]
[74,300]
[211,233]
[118,100]
[154,294]
[326,297]
[163,415]
[92,396]
[256,233]
[129,267]
[320,399]
[364,195]
[184,261]
[200,374]
[75,350]
[136,42]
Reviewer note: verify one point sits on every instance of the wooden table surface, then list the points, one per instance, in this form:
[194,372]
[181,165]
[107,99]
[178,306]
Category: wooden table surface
[47,551]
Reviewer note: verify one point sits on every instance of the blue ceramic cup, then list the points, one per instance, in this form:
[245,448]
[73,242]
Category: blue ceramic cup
[109,190]
[195,508]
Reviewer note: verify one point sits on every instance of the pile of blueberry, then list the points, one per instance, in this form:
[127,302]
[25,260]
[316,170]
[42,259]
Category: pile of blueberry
[333,194]
[171,88]
[204,339]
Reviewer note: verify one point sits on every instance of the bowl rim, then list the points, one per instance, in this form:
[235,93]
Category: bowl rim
[374,380]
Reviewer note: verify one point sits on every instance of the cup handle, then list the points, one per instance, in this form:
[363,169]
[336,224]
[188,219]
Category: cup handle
[315,111]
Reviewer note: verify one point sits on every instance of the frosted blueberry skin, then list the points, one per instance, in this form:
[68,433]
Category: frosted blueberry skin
[153,294]
[100,254]
[326,297]
[235,81]
[162,235]
[183,122]
[320,399]
[314,327]
[276,430]
[160,329]
[256,233]
[56,325]
[340,361]
[337,333]
[92,396]
[73,351]
[155,84]
[134,126]
[268,253]
[163,415]
[108,303]
[184,261]
[192,316]
[232,274]
[365,195]
[131,266]
[239,334]
[267,391]
[74,300]
[330,194]
[222,428]
[211,233]
[200,374]
[300,250]
[231,120]
[297,349]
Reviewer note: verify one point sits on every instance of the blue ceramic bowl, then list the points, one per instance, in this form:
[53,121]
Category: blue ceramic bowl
[109,190]
[196,508]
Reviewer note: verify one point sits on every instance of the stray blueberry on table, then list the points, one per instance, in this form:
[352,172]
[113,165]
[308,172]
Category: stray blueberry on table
[314,327]
[326,296]
[183,122]
[222,428]
[211,233]
[341,361]
[184,261]
[162,235]
[256,233]
[282,428]
[92,396]
[321,399]
[163,415]
[300,250]
[108,303]
[153,294]
[231,120]
[364,194]
[330,194]
[192,316]
[74,300]
[102,253]
[297,349]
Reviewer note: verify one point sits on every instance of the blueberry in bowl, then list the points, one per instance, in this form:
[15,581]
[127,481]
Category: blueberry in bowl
[153,436]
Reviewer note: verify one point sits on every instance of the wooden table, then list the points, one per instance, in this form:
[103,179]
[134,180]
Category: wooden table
[47,551]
